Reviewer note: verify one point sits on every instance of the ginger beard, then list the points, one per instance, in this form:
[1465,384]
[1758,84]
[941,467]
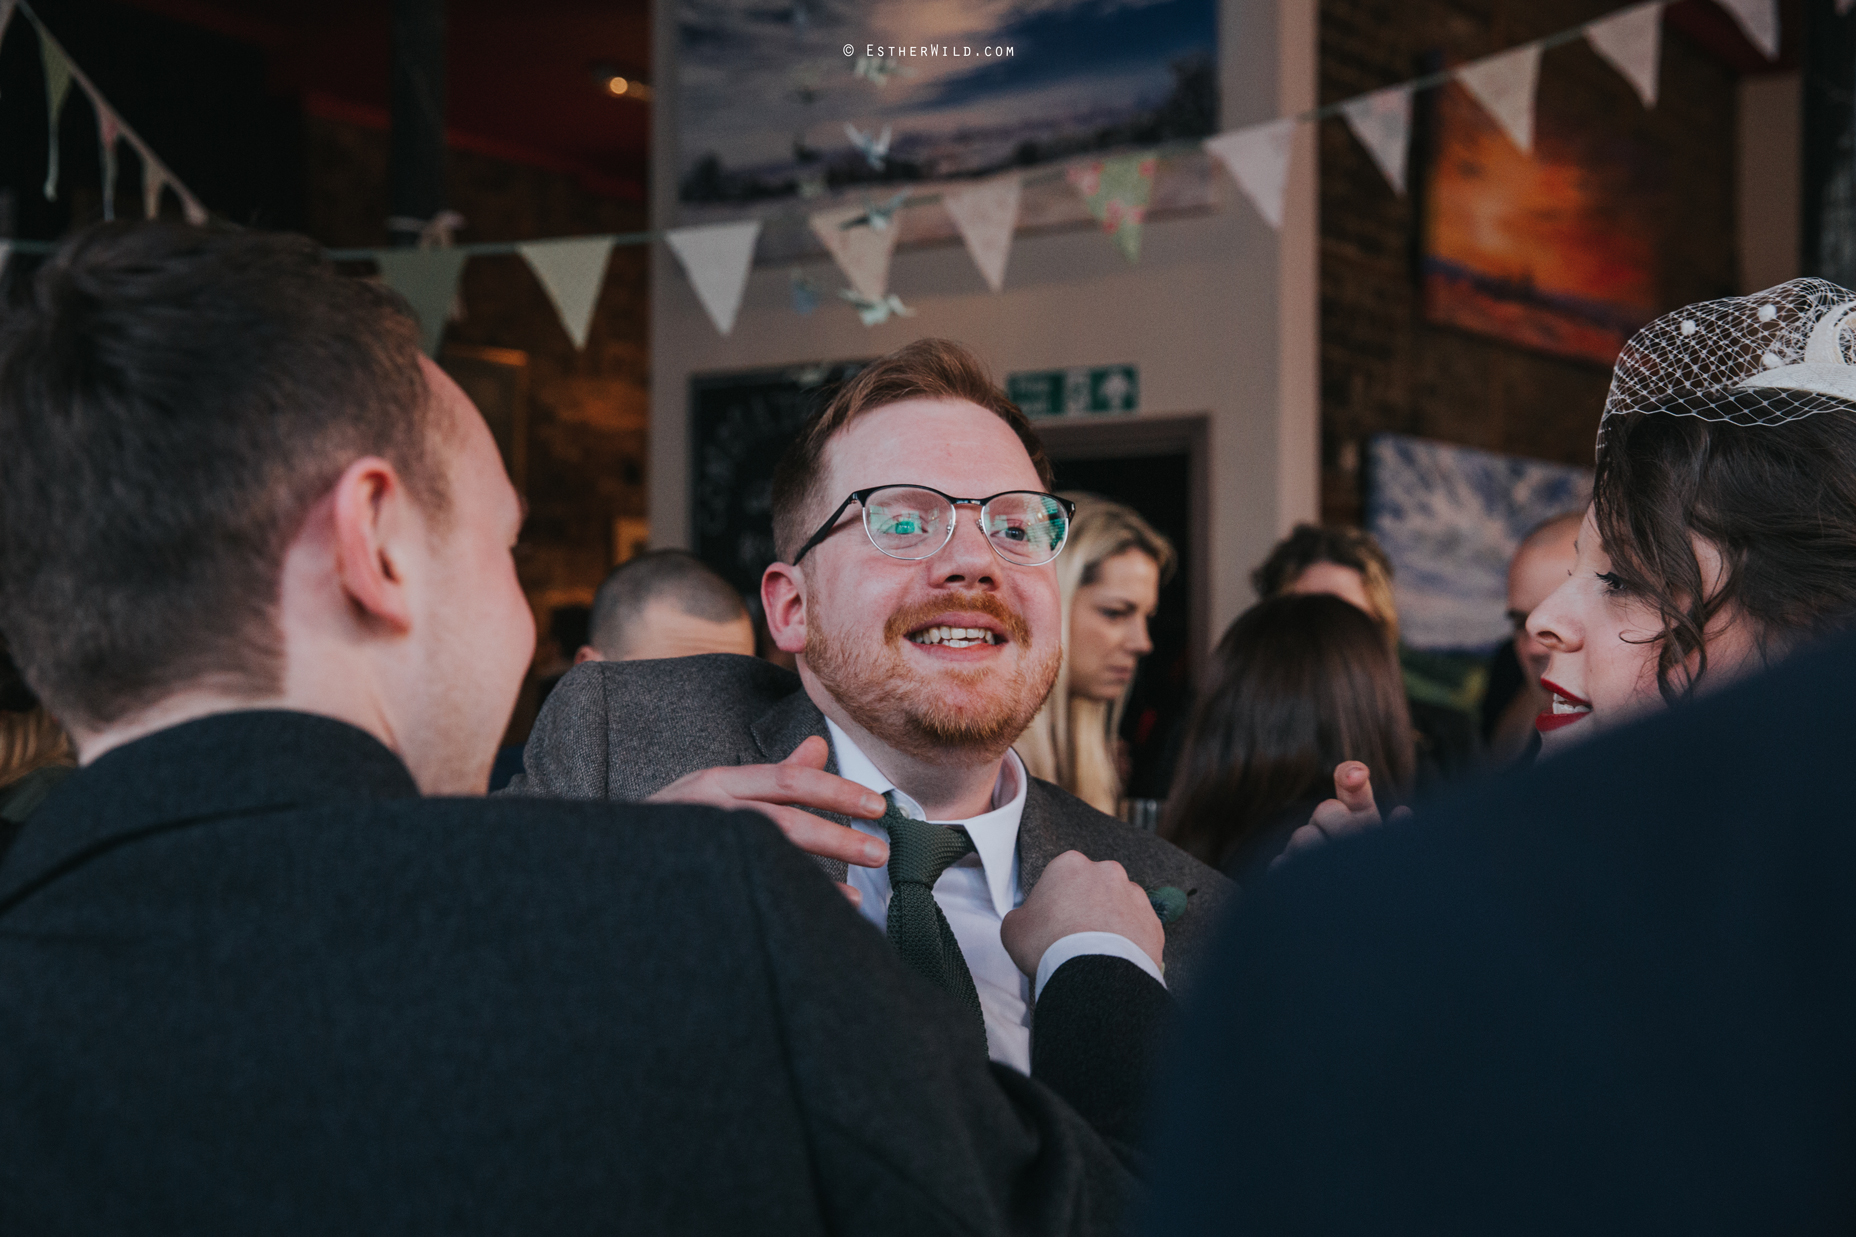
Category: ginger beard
[976,711]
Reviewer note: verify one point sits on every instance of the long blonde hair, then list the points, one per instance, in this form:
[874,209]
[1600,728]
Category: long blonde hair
[1072,740]
[31,740]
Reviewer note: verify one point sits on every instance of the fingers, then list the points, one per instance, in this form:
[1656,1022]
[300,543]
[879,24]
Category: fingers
[818,836]
[790,781]
[1353,786]
[1077,894]
[855,898]
[1307,837]
[812,753]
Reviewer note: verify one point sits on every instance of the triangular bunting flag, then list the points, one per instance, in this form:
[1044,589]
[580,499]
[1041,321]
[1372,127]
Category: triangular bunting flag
[428,279]
[1382,122]
[57,86]
[1258,159]
[1632,42]
[1116,191]
[1504,85]
[717,258]
[987,216]
[862,252]
[1760,20]
[108,130]
[572,271]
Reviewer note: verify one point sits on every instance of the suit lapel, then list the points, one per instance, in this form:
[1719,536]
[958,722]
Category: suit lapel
[1038,842]
[784,727]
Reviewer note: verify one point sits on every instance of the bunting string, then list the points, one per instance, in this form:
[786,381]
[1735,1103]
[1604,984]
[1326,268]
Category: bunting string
[61,72]
[718,257]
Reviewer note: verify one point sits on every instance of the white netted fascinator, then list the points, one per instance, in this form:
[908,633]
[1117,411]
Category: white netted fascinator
[1764,359]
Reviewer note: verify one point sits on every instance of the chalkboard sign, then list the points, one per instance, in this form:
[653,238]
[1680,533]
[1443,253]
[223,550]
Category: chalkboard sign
[739,425]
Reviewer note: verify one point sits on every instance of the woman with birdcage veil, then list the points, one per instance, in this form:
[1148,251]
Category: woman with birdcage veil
[1722,530]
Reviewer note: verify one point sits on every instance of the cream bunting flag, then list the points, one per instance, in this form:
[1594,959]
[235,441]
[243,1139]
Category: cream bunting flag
[1760,20]
[57,86]
[987,216]
[861,252]
[109,129]
[190,206]
[1632,42]
[572,272]
[1504,85]
[1258,159]
[717,258]
[1382,122]
[428,279]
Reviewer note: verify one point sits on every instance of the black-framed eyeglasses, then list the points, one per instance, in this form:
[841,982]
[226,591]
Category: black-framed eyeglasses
[1024,527]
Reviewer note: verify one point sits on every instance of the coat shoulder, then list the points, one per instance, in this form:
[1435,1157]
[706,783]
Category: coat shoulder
[624,730]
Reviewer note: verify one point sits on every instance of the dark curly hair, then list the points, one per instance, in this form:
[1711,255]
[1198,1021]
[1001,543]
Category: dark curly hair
[1778,502]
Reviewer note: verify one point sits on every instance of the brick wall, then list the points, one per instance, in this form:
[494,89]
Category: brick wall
[588,410]
[1383,368]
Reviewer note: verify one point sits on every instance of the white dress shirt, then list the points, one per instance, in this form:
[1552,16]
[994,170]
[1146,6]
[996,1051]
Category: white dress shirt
[975,894]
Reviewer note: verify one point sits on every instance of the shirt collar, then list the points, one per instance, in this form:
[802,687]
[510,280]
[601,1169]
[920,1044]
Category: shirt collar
[994,833]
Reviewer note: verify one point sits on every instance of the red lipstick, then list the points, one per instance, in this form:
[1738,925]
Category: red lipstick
[1552,718]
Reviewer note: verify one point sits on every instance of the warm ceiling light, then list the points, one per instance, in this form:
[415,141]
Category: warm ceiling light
[620,84]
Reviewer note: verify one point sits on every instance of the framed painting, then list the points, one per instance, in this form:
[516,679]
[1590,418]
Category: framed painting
[496,379]
[1553,250]
[788,109]
[1450,518]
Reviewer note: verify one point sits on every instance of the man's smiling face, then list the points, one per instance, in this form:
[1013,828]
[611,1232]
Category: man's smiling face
[948,656]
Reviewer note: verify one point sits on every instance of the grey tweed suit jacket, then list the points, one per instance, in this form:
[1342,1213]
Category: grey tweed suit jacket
[624,730]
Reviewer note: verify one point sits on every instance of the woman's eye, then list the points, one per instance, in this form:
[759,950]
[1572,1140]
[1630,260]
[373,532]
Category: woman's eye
[1611,582]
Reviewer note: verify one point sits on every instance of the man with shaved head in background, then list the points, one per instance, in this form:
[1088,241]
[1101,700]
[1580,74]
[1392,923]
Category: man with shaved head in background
[915,586]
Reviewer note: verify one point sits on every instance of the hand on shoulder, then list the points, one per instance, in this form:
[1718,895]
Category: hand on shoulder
[782,792]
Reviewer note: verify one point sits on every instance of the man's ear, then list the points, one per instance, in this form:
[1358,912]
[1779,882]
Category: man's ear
[586,653]
[375,518]
[783,597]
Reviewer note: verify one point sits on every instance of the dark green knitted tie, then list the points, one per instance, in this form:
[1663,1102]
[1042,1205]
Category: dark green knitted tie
[918,853]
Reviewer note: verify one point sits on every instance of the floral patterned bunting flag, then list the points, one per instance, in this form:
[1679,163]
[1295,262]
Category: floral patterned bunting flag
[1117,191]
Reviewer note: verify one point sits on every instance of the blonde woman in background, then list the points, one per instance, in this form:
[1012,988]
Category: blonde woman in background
[35,752]
[1111,572]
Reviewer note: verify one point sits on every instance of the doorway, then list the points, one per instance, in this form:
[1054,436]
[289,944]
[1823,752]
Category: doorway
[1159,467]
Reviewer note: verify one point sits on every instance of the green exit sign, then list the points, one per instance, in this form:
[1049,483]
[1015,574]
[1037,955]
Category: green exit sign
[1077,391]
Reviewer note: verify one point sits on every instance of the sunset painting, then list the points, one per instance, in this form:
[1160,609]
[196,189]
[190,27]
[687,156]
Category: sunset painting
[1552,250]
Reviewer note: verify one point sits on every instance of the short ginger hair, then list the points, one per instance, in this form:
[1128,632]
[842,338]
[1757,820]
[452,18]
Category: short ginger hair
[925,369]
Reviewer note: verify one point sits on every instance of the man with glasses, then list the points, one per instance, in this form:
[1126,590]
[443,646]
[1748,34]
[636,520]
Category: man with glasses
[917,590]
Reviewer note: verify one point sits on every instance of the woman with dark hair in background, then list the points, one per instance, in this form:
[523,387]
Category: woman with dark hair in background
[1349,563]
[1300,684]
